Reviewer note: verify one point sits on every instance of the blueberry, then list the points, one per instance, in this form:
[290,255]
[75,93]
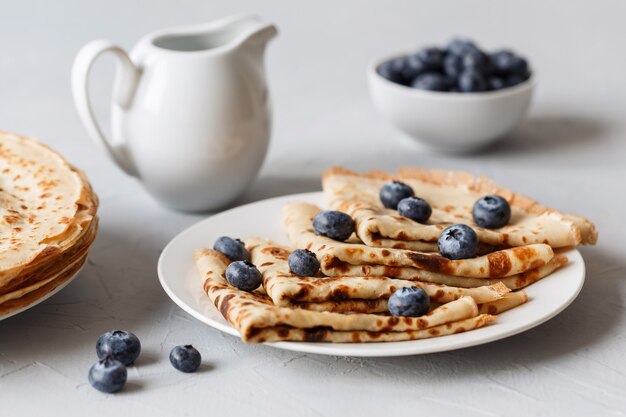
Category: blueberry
[515,79]
[415,208]
[432,58]
[233,249]
[392,192]
[409,301]
[402,70]
[185,358]
[303,262]
[471,81]
[121,345]
[431,81]
[506,63]
[243,275]
[520,66]
[453,65]
[496,83]
[459,46]
[393,70]
[108,375]
[476,60]
[333,224]
[458,241]
[491,212]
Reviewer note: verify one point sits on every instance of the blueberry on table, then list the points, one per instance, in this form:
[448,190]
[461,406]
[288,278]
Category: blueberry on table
[432,58]
[491,212]
[458,241]
[431,81]
[409,302]
[120,345]
[243,275]
[233,249]
[453,65]
[415,208]
[303,262]
[108,375]
[392,192]
[471,81]
[459,46]
[333,224]
[185,358]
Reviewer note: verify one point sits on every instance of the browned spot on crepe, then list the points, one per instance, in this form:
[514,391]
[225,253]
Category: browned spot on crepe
[431,262]
[339,294]
[499,264]
[337,264]
[224,304]
[301,293]
[278,253]
[314,335]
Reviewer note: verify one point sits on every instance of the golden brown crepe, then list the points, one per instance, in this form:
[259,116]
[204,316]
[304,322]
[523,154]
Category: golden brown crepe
[341,258]
[286,288]
[47,219]
[258,320]
[451,195]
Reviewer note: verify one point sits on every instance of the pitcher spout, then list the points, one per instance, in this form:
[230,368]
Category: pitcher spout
[255,32]
[217,36]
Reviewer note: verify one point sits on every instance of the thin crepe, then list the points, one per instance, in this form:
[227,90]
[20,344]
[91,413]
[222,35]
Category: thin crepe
[513,282]
[30,275]
[46,206]
[451,195]
[339,258]
[257,319]
[34,294]
[286,288]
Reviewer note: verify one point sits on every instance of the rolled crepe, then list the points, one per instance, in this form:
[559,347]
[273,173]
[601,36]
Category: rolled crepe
[339,258]
[286,288]
[257,319]
[451,196]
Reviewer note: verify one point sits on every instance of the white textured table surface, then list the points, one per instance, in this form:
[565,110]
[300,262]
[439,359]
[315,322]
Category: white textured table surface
[570,154]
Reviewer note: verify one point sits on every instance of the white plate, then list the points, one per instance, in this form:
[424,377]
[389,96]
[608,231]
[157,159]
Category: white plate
[42,299]
[181,281]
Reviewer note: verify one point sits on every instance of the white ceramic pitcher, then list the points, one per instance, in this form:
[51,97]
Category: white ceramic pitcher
[190,109]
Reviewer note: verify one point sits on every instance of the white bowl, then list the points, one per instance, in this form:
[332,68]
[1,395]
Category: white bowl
[451,121]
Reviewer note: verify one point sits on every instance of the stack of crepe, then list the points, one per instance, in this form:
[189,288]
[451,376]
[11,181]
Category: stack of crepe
[347,300]
[47,221]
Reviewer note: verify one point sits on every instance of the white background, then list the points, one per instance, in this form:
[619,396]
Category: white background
[569,154]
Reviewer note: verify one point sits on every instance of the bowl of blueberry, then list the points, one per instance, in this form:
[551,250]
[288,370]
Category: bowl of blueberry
[457,98]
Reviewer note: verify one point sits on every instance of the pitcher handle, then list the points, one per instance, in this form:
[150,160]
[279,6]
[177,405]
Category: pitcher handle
[123,93]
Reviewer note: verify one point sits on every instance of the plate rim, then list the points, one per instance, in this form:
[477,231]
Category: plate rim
[344,349]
